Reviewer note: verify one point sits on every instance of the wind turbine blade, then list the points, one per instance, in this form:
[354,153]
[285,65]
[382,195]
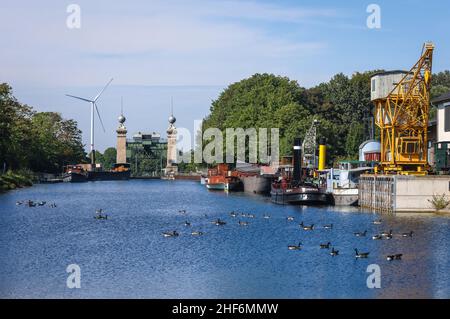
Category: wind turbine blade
[99,117]
[80,98]
[98,95]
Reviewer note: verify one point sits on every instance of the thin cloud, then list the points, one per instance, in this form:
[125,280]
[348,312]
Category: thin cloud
[161,42]
[263,11]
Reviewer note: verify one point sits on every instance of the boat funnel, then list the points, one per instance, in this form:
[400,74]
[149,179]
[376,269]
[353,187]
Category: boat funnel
[297,160]
[322,154]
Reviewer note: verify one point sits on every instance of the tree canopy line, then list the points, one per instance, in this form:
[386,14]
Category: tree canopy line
[45,142]
[40,141]
[36,141]
[342,106]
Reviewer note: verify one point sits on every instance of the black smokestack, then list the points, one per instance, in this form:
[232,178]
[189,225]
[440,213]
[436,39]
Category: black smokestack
[297,160]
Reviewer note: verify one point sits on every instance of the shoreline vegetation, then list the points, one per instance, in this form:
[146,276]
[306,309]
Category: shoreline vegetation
[12,180]
[32,142]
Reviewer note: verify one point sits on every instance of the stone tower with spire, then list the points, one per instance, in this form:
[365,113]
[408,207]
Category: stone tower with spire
[121,157]
[171,167]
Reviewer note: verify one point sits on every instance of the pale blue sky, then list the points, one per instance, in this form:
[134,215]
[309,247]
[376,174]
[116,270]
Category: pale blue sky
[191,50]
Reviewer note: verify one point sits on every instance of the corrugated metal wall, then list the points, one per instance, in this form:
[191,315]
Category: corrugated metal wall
[377,192]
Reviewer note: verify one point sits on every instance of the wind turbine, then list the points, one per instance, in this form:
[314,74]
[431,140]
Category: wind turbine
[93,106]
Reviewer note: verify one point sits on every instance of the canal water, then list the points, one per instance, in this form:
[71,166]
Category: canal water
[127,256]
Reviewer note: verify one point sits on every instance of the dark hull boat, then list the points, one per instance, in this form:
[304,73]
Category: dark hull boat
[256,184]
[292,189]
[256,179]
[108,176]
[75,174]
[74,177]
[300,195]
[120,172]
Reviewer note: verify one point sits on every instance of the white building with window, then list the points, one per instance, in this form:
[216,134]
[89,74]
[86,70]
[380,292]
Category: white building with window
[443,117]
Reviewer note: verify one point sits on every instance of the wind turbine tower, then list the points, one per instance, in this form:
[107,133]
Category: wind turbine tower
[94,109]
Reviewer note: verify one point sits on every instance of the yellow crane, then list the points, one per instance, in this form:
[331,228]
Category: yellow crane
[402,103]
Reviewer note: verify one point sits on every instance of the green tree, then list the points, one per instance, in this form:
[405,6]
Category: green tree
[57,142]
[109,158]
[188,167]
[441,78]
[39,141]
[98,157]
[440,84]
[354,139]
[16,142]
[438,90]
[262,101]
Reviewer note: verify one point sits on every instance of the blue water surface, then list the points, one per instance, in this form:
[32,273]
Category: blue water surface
[126,256]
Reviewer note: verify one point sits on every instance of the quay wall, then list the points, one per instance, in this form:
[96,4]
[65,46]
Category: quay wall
[177,176]
[188,177]
[402,193]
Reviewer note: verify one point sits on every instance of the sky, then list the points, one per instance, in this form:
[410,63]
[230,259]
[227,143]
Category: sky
[192,50]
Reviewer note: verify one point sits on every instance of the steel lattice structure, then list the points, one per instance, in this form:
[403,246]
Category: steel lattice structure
[309,146]
[403,119]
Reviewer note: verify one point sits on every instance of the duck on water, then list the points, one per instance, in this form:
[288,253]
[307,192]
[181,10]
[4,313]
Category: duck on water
[218,222]
[360,234]
[394,257]
[325,246]
[295,247]
[334,252]
[361,255]
[305,227]
[99,214]
[173,233]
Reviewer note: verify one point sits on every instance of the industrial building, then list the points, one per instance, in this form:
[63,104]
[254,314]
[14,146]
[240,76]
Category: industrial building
[442,143]
[146,153]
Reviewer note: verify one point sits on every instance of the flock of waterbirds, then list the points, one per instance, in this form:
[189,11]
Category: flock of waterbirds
[99,214]
[30,203]
[385,235]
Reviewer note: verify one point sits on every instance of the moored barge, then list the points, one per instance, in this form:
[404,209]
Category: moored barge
[221,178]
[299,195]
[292,189]
[75,174]
[120,172]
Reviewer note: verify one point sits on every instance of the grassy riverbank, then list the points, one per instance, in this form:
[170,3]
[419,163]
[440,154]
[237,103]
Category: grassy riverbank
[13,180]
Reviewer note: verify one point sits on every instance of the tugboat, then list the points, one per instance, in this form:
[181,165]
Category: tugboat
[223,183]
[75,174]
[293,190]
[220,178]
